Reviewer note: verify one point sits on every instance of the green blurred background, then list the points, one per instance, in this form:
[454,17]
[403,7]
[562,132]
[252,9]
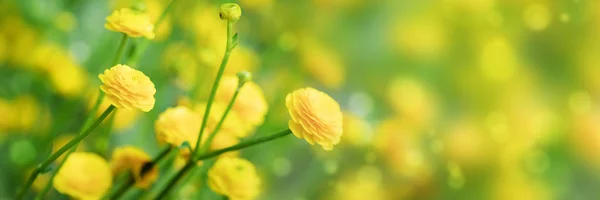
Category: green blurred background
[443,99]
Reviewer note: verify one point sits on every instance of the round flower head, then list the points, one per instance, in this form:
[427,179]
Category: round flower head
[83,176]
[128,88]
[178,125]
[230,12]
[316,117]
[133,159]
[131,22]
[235,178]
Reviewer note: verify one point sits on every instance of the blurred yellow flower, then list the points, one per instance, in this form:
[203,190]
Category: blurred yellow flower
[400,146]
[412,101]
[230,12]
[465,144]
[324,64]
[242,59]
[498,61]
[365,183]
[356,129]
[7,110]
[235,178]
[61,141]
[537,17]
[250,104]
[233,124]
[178,125]
[123,118]
[84,176]
[316,117]
[422,37]
[21,38]
[132,159]
[128,88]
[65,74]
[131,22]
[3,49]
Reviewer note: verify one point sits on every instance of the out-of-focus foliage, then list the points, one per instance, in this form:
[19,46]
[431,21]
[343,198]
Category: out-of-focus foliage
[442,99]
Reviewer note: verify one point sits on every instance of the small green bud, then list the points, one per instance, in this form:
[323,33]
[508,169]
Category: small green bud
[243,77]
[230,12]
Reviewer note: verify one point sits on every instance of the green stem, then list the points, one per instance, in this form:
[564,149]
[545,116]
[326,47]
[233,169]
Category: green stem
[44,165]
[131,180]
[215,86]
[190,165]
[212,135]
[120,50]
[87,122]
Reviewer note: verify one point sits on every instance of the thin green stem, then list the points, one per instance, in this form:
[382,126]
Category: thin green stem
[60,151]
[130,179]
[212,135]
[87,122]
[120,50]
[192,164]
[215,86]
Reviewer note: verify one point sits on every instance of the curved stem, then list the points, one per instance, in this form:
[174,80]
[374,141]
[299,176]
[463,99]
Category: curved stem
[62,150]
[212,135]
[131,180]
[87,122]
[215,86]
[191,165]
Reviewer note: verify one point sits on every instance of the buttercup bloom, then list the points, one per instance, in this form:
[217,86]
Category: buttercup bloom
[128,88]
[316,117]
[250,104]
[84,176]
[230,11]
[131,22]
[235,178]
[178,125]
[133,159]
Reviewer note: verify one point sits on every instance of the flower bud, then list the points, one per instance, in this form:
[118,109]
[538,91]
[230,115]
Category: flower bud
[230,12]
[243,77]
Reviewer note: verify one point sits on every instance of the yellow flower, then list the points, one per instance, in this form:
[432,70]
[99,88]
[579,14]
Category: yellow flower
[123,118]
[177,125]
[230,12]
[235,178]
[316,117]
[131,22]
[133,159]
[154,8]
[250,104]
[128,88]
[84,176]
